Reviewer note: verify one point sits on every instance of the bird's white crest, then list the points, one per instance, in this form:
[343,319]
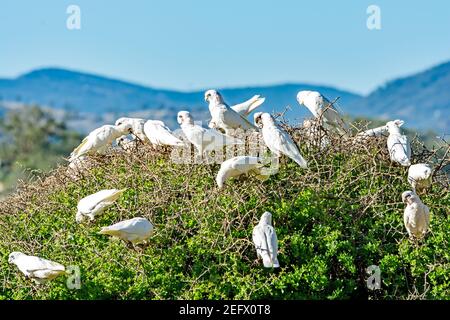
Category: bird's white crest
[184,117]
[213,96]
[394,126]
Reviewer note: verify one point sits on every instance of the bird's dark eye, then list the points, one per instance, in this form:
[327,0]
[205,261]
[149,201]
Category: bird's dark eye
[119,124]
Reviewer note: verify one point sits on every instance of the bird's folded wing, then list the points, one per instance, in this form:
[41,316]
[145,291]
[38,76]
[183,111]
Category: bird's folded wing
[285,144]
[34,264]
[272,241]
[77,149]
[157,131]
[218,139]
[398,146]
[234,119]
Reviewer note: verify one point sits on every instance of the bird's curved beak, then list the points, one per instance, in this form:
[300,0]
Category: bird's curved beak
[406,199]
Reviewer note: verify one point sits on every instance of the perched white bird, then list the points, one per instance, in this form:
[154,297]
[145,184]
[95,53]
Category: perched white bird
[419,176]
[416,215]
[266,242]
[322,109]
[247,107]
[96,203]
[159,134]
[99,140]
[38,269]
[224,117]
[203,139]
[240,165]
[134,230]
[278,140]
[398,145]
[137,126]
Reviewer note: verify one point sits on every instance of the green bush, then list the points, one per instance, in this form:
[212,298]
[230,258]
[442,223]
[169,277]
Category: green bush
[333,221]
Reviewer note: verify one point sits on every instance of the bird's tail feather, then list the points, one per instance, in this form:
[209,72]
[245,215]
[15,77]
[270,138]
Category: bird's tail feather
[107,230]
[256,103]
[301,162]
[113,197]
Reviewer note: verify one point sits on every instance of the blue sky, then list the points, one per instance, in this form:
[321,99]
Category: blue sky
[201,44]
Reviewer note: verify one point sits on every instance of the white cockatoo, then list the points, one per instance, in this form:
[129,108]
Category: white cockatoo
[323,110]
[96,203]
[420,176]
[266,242]
[278,140]
[159,134]
[134,230]
[240,165]
[137,126]
[38,269]
[398,145]
[316,136]
[247,107]
[416,215]
[202,138]
[224,117]
[99,140]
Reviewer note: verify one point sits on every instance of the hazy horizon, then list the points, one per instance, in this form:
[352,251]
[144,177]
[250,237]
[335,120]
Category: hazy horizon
[134,82]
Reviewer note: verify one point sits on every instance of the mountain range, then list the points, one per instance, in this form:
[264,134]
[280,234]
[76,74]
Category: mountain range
[87,100]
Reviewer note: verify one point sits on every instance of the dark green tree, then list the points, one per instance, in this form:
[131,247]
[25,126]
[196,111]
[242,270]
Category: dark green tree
[32,140]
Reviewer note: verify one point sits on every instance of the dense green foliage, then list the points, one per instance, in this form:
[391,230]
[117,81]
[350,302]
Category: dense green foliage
[333,221]
[31,140]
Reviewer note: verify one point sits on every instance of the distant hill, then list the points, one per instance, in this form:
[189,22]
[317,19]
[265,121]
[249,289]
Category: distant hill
[423,100]
[104,98]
